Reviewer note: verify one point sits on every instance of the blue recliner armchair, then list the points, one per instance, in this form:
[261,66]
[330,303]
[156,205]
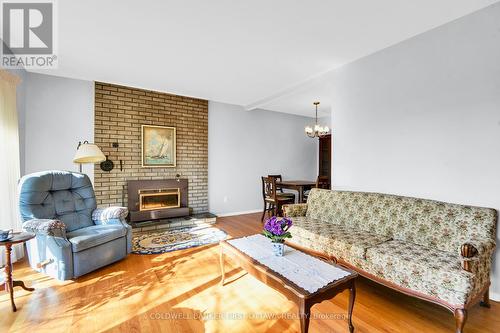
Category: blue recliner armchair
[73,236]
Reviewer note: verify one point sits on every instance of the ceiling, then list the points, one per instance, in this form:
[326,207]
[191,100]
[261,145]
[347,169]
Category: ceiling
[255,53]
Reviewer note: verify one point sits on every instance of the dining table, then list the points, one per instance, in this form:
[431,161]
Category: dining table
[297,185]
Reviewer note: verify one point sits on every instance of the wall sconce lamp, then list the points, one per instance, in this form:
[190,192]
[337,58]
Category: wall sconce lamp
[88,153]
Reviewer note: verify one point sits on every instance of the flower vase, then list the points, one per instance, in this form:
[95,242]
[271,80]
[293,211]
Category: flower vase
[279,249]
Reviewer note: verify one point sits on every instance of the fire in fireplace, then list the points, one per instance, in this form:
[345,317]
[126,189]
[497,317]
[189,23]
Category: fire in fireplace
[156,199]
[159,199]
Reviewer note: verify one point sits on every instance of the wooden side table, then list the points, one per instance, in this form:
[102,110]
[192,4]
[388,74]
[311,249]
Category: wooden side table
[17,238]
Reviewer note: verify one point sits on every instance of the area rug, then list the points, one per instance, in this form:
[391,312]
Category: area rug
[155,242]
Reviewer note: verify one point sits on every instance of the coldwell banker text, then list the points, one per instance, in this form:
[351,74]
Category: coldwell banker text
[28,34]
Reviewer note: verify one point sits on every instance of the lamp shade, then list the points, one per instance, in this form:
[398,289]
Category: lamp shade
[88,153]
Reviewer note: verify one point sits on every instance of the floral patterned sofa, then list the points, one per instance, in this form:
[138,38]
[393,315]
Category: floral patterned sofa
[436,251]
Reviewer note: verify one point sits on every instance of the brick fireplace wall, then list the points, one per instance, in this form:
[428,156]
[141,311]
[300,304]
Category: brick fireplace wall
[120,112]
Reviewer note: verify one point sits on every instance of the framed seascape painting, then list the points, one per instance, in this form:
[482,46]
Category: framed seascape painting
[158,146]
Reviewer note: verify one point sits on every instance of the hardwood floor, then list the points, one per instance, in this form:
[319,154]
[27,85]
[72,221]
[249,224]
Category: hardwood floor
[180,292]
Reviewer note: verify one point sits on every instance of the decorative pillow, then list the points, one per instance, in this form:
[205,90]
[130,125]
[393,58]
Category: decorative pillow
[48,227]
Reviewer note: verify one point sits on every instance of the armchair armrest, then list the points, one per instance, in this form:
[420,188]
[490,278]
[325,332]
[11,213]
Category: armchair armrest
[48,227]
[295,210]
[114,215]
[473,251]
[108,214]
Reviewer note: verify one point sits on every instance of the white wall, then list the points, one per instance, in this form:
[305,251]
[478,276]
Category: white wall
[246,145]
[325,121]
[422,118]
[59,112]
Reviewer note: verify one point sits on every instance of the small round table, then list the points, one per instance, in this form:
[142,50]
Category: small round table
[18,237]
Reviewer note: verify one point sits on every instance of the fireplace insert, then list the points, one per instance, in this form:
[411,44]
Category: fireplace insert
[157,199]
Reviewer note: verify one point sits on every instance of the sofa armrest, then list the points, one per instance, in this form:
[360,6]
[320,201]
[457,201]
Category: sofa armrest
[109,215]
[48,227]
[295,210]
[473,251]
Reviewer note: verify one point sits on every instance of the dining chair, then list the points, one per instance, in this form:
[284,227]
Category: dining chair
[279,189]
[273,200]
[323,182]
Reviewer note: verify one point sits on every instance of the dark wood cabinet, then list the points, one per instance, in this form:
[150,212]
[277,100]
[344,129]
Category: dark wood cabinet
[325,157]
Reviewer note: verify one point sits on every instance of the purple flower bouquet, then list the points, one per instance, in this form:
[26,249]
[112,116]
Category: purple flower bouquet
[277,230]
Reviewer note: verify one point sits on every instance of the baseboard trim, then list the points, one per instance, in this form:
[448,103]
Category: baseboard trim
[239,213]
[495,297]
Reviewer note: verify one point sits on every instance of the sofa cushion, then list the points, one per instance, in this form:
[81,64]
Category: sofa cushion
[351,243]
[88,237]
[311,233]
[423,269]
[336,240]
[430,223]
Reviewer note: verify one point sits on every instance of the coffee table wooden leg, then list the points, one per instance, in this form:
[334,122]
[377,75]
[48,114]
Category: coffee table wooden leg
[352,297]
[9,285]
[222,265]
[304,316]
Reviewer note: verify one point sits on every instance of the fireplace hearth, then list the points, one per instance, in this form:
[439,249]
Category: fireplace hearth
[157,199]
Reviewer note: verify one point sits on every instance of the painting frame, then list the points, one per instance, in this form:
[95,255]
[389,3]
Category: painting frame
[145,145]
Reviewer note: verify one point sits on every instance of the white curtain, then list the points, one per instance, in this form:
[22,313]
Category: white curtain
[9,166]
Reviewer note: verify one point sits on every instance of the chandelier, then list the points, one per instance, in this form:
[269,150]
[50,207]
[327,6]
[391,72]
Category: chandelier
[317,131]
